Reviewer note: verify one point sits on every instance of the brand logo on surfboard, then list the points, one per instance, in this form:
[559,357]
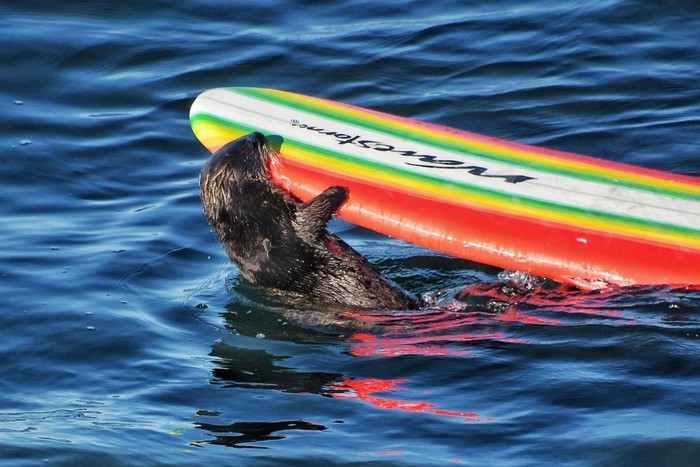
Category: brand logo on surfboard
[413,158]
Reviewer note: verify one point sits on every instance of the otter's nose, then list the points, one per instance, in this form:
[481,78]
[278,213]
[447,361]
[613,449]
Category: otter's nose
[258,138]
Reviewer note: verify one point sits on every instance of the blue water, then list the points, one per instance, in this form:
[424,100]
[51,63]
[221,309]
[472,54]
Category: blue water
[127,338]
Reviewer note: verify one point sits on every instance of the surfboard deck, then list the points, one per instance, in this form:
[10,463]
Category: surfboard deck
[571,218]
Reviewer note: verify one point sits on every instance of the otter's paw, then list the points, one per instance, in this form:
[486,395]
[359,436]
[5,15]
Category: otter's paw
[336,192]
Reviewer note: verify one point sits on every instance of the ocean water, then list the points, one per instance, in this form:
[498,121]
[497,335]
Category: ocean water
[127,338]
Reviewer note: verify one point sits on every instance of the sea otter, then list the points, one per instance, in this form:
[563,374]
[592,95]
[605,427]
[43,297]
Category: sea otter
[279,242]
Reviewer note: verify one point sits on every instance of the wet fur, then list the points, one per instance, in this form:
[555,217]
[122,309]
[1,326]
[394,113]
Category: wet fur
[277,241]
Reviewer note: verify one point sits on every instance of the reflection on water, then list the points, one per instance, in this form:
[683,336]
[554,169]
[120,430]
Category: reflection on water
[515,311]
[257,369]
[251,432]
[365,390]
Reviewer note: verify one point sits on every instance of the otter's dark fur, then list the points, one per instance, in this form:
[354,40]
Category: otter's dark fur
[277,241]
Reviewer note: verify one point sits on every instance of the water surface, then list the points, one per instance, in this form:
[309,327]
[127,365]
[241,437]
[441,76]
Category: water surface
[127,338]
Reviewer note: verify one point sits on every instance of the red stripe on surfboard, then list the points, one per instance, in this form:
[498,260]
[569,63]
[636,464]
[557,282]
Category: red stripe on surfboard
[553,250]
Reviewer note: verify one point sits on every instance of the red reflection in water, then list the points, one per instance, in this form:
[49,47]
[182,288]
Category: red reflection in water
[363,389]
[513,315]
[388,346]
[439,332]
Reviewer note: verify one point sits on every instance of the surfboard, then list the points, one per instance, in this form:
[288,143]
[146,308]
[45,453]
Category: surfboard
[575,219]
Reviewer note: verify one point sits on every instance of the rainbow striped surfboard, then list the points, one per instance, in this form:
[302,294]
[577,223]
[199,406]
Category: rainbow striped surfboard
[571,218]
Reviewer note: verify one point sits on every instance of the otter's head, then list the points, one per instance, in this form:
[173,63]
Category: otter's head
[245,158]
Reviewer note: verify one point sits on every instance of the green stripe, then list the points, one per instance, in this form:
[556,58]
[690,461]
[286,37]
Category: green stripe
[465,190]
[263,94]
